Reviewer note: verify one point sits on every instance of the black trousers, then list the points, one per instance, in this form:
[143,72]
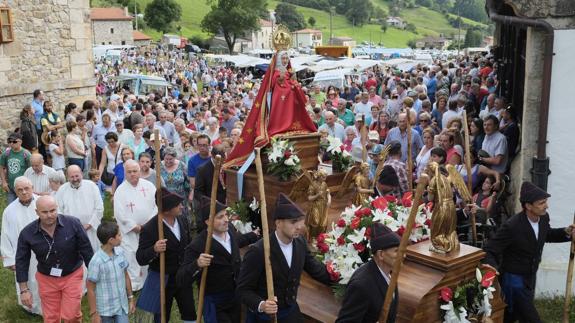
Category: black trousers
[184,296]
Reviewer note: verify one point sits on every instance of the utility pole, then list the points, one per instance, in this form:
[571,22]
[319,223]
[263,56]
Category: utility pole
[136,13]
[331,13]
[459,27]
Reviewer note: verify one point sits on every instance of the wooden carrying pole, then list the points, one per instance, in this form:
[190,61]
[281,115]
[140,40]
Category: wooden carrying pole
[208,248]
[467,144]
[402,248]
[409,151]
[158,163]
[568,288]
[265,230]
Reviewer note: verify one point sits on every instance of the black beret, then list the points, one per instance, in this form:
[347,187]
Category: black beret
[170,199]
[205,207]
[382,237]
[286,209]
[530,193]
[388,176]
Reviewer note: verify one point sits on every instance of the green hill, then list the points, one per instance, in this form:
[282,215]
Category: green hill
[427,22]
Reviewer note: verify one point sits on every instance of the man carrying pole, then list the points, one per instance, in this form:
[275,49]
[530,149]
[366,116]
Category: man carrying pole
[221,304]
[173,246]
[288,257]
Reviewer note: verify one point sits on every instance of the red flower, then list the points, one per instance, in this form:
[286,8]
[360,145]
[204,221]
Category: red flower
[341,223]
[406,199]
[333,275]
[287,154]
[390,198]
[340,241]
[379,203]
[429,205]
[367,233]
[401,230]
[360,247]
[488,279]
[362,212]
[321,237]
[355,223]
[446,294]
[323,247]
[428,222]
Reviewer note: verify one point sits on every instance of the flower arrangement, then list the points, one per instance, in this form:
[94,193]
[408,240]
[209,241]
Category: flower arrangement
[340,158]
[283,161]
[470,300]
[346,246]
[243,215]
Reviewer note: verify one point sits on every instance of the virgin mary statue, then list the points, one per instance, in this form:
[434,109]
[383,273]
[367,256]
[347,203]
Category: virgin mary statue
[279,108]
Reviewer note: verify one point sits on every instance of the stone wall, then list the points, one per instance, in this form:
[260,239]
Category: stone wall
[52,51]
[122,32]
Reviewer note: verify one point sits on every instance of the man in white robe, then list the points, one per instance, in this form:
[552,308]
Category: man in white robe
[81,198]
[15,217]
[134,205]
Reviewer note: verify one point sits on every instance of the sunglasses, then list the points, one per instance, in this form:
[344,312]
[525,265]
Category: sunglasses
[12,141]
[424,120]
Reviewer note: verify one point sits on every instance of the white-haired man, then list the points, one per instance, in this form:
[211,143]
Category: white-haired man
[15,217]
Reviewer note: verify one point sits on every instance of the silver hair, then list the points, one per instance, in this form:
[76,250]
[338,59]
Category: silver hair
[57,177]
[170,151]
[22,180]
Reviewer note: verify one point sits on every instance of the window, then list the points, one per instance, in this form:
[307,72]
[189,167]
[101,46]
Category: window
[123,42]
[6,27]
[111,30]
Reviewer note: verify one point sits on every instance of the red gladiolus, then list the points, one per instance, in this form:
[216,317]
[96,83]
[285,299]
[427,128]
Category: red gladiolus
[428,222]
[321,237]
[287,154]
[379,203]
[341,223]
[401,230]
[360,247]
[429,205]
[333,275]
[367,233]
[446,294]
[340,241]
[355,223]
[391,198]
[488,279]
[323,247]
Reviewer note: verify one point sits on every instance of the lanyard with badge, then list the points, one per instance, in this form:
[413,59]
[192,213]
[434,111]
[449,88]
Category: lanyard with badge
[54,271]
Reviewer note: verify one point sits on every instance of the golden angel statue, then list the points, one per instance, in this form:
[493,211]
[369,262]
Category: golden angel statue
[357,177]
[443,219]
[311,184]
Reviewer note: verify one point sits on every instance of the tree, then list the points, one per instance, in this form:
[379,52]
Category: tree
[473,38]
[472,9]
[286,14]
[161,14]
[384,24]
[359,13]
[233,18]
[411,43]
[311,21]
[411,27]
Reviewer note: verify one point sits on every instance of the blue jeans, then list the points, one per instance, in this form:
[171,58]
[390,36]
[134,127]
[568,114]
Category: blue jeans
[121,318]
[77,161]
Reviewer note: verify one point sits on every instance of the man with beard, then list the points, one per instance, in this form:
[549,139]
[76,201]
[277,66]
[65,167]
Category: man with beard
[81,199]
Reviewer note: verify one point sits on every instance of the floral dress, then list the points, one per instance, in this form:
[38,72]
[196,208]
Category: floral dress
[177,182]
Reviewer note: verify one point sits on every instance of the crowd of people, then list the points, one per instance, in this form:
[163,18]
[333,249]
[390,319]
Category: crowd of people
[60,168]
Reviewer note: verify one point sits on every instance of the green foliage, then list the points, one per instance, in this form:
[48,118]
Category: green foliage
[233,18]
[358,14]
[384,25]
[472,9]
[311,21]
[161,14]
[286,14]
[473,38]
[200,42]
[411,43]
[315,4]
[411,27]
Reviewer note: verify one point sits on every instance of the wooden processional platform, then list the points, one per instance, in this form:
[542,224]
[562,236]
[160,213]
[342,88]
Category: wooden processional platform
[423,273]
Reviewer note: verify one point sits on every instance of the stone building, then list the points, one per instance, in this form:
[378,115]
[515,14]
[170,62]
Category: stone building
[307,38]
[141,39]
[50,49]
[261,39]
[533,47]
[111,26]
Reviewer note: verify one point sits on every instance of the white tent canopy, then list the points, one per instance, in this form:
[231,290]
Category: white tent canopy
[241,60]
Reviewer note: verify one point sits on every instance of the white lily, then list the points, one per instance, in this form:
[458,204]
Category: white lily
[289,162]
[254,205]
[478,275]
[357,236]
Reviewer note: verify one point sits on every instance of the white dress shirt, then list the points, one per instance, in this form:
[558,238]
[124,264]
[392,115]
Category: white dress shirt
[287,250]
